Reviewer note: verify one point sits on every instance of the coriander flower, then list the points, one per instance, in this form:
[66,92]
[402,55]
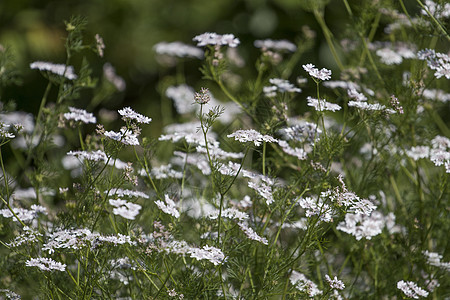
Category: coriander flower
[45,264]
[169,207]
[128,114]
[277,45]
[279,85]
[125,209]
[251,135]
[125,136]
[323,74]
[322,105]
[335,283]
[178,49]
[303,284]
[212,38]
[251,234]
[212,254]
[58,69]
[80,115]
[411,290]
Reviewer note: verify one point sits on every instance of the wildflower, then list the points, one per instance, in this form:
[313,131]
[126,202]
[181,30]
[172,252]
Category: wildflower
[231,169]
[297,152]
[28,236]
[129,193]
[435,94]
[178,49]
[58,69]
[99,44]
[411,290]
[335,283]
[81,115]
[4,131]
[212,38]
[230,213]
[251,234]
[434,259]
[169,207]
[203,96]
[277,45]
[438,11]
[128,114]
[323,74]
[125,209]
[304,284]
[315,207]
[163,172]
[396,104]
[111,76]
[45,264]
[322,105]
[389,56]
[439,62]
[125,136]
[355,95]
[261,184]
[9,294]
[363,226]
[212,254]
[251,135]
[23,214]
[182,96]
[279,85]
[98,155]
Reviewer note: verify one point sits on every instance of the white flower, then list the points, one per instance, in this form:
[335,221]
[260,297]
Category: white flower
[212,38]
[322,105]
[178,49]
[251,135]
[297,152]
[389,56]
[411,290]
[125,136]
[434,259]
[98,155]
[335,283]
[128,114]
[323,74]
[125,209]
[280,85]
[45,264]
[438,11]
[58,69]
[278,45]
[129,193]
[363,226]
[111,76]
[439,62]
[355,95]
[314,207]
[169,207]
[212,254]
[304,284]
[251,234]
[230,213]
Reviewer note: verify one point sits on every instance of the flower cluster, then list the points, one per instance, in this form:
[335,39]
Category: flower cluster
[58,69]
[178,49]
[45,264]
[322,105]
[439,62]
[80,115]
[303,284]
[98,155]
[169,207]
[212,38]
[439,153]
[110,74]
[125,136]
[125,209]
[323,74]
[281,86]
[411,290]
[277,45]
[128,115]
[210,253]
[335,283]
[251,135]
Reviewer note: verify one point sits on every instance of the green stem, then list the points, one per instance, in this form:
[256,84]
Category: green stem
[441,28]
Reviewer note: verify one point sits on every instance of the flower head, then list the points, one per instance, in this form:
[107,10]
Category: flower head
[323,74]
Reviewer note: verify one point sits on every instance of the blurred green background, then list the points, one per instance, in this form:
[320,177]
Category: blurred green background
[35,30]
